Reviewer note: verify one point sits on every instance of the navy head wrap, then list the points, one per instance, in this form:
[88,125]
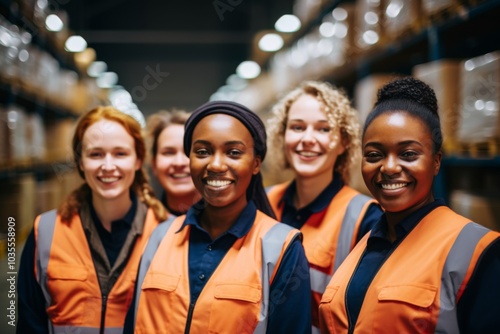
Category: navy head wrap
[255,126]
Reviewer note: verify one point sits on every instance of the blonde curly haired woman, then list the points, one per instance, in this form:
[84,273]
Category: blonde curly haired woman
[315,131]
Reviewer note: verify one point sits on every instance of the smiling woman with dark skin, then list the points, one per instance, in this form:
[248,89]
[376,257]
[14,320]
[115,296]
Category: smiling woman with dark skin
[423,268]
[226,266]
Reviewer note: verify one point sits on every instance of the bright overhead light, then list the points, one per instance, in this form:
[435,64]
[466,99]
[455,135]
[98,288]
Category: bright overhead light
[248,69]
[271,42]
[107,80]
[54,23]
[75,44]
[287,23]
[96,68]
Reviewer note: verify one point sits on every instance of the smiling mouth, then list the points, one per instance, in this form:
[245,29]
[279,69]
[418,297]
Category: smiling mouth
[393,186]
[218,183]
[109,179]
[308,154]
[180,175]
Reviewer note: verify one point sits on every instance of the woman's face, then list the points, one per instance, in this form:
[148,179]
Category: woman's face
[109,160]
[170,164]
[222,161]
[398,163]
[311,145]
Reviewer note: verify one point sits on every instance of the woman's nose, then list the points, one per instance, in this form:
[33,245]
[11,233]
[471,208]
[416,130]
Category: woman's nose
[217,164]
[390,166]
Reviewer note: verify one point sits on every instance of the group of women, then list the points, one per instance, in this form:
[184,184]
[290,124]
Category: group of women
[219,253]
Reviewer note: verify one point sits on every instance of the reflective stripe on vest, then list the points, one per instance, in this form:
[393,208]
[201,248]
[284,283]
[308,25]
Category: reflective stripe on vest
[44,242]
[64,268]
[164,279]
[328,242]
[454,273]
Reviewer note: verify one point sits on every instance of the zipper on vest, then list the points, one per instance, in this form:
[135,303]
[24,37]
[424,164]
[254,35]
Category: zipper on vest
[189,317]
[103,312]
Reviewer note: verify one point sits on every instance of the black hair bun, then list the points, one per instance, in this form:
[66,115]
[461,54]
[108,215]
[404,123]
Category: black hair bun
[409,88]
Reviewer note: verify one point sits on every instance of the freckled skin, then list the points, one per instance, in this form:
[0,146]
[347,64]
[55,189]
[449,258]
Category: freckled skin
[397,150]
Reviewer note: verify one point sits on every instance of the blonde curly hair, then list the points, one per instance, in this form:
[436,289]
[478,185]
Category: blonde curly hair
[339,113]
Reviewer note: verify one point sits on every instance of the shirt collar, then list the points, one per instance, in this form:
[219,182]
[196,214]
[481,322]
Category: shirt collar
[127,219]
[405,226]
[240,227]
[321,201]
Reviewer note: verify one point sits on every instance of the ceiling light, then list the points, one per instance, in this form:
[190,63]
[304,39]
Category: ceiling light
[107,80]
[53,23]
[96,68]
[287,23]
[75,44]
[271,42]
[248,69]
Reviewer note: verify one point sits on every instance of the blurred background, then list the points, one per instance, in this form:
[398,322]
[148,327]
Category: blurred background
[60,58]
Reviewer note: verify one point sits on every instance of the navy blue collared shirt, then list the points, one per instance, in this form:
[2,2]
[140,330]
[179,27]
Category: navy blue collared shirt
[479,301]
[113,240]
[297,218]
[290,292]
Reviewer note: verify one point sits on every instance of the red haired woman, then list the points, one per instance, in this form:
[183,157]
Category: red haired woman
[80,261]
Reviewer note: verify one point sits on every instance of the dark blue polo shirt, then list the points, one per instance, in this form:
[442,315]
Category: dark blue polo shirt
[113,241]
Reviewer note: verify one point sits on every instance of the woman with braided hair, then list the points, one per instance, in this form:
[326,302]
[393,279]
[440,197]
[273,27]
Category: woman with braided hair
[80,261]
[422,268]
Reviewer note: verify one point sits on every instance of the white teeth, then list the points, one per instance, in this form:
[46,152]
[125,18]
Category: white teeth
[392,186]
[180,175]
[308,154]
[109,179]
[218,183]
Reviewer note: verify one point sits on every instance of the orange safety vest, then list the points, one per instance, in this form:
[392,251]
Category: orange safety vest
[65,271]
[328,241]
[235,299]
[417,288]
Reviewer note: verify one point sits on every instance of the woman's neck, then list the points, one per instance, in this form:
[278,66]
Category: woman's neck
[110,210]
[180,204]
[308,189]
[217,220]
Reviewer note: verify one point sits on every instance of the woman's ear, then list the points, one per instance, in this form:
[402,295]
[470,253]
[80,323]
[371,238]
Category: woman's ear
[257,163]
[437,162]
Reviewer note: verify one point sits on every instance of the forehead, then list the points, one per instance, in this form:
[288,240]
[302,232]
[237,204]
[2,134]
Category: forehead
[396,127]
[172,133]
[105,133]
[221,127]
[307,107]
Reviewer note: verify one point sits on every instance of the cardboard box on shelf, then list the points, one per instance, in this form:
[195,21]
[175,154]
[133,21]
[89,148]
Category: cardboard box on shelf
[480,209]
[365,93]
[17,200]
[480,98]
[59,135]
[444,76]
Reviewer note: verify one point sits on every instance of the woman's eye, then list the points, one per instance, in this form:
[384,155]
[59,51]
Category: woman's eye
[296,127]
[95,154]
[201,151]
[371,156]
[168,153]
[121,153]
[234,153]
[325,130]
[409,155]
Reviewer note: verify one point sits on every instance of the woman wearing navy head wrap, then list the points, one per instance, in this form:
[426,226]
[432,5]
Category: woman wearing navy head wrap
[226,266]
